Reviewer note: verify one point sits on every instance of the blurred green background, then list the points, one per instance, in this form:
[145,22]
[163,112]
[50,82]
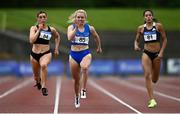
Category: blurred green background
[102,19]
[103,14]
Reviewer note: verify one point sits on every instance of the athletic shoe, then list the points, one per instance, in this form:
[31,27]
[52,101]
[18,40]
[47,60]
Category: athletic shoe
[38,85]
[152,103]
[83,93]
[77,102]
[45,91]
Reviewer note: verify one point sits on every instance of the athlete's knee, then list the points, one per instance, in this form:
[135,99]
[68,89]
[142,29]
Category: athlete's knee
[147,76]
[75,76]
[36,77]
[76,79]
[155,79]
[84,69]
[44,66]
[36,74]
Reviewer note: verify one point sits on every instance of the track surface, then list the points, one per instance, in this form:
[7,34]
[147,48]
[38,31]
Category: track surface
[105,94]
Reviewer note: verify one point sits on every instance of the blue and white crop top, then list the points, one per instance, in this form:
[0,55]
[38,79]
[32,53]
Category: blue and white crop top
[151,35]
[44,36]
[82,38]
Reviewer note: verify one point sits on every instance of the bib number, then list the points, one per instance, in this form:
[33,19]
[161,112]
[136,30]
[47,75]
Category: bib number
[83,40]
[150,36]
[45,35]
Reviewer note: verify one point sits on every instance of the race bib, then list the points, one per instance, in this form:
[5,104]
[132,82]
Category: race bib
[45,35]
[84,40]
[150,36]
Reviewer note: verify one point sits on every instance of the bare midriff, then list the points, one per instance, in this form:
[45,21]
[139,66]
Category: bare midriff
[152,47]
[40,48]
[79,47]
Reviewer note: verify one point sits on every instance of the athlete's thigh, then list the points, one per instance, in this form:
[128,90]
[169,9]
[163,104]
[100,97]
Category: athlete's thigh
[74,67]
[156,66]
[86,61]
[45,59]
[146,63]
[73,63]
[35,65]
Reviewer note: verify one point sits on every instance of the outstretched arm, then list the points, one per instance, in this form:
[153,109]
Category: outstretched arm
[97,39]
[164,39]
[137,39]
[57,40]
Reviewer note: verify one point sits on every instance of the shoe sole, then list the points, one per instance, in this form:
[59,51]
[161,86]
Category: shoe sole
[77,106]
[152,106]
[44,93]
[83,97]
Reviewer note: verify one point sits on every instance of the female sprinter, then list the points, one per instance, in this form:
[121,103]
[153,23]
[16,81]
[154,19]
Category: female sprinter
[41,55]
[80,57]
[151,32]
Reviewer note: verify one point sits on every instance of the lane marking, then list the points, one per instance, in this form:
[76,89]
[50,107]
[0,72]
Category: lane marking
[58,88]
[95,85]
[19,86]
[135,86]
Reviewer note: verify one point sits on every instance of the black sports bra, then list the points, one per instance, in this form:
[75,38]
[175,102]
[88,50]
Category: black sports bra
[44,36]
[151,35]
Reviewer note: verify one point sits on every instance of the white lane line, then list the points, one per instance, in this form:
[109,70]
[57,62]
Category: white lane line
[135,86]
[58,88]
[19,86]
[113,96]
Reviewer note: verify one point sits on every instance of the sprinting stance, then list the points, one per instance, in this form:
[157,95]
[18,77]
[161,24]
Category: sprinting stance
[151,32]
[80,57]
[41,55]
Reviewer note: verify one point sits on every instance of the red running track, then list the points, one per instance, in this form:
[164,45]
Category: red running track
[106,94]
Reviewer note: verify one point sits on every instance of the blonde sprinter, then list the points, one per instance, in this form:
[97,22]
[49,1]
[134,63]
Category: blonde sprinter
[78,34]
[151,32]
[41,55]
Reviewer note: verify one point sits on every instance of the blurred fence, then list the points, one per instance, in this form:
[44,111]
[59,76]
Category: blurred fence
[115,45]
[14,46]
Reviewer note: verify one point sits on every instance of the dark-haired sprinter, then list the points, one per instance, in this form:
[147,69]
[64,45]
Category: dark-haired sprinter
[40,56]
[152,33]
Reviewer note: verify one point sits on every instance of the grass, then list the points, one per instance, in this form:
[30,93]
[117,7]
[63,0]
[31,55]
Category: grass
[101,19]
